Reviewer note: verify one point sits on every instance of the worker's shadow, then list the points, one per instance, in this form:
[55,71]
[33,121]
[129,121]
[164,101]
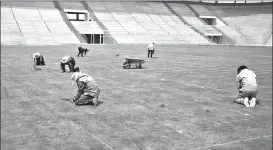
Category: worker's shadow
[155,57]
[99,103]
[36,69]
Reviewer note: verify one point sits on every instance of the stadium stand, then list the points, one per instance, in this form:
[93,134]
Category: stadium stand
[142,22]
[162,24]
[103,13]
[39,23]
[253,22]
[189,16]
[231,33]
[10,31]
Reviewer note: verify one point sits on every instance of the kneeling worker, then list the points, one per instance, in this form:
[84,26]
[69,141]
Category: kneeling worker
[67,60]
[38,60]
[247,87]
[88,90]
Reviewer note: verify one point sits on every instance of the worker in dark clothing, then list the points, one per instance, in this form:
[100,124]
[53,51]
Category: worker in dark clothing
[38,60]
[82,50]
[67,60]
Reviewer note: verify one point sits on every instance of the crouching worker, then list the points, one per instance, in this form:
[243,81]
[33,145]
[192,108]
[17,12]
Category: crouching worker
[82,50]
[247,87]
[88,90]
[67,60]
[38,60]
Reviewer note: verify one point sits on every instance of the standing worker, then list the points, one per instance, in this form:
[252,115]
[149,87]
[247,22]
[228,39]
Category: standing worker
[151,49]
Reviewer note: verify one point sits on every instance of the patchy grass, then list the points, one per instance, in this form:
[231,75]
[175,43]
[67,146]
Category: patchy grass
[195,84]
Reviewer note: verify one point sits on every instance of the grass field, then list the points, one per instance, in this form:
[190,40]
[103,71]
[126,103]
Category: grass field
[195,84]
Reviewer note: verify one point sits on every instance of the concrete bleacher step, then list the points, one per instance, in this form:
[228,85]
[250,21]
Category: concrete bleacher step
[252,22]
[68,23]
[71,5]
[181,9]
[157,19]
[6,13]
[208,30]
[131,7]
[114,6]
[122,37]
[33,26]
[158,7]
[96,6]
[193,20]
[45,5]
[201,10]
[185,30]
[167,18]
[169,29]
[142,17]
[50,14]
[231,33]
[9,28]
[152,27]
[143,38]
[26,14]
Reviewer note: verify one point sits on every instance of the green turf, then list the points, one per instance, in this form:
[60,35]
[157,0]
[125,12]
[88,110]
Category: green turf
[195,84]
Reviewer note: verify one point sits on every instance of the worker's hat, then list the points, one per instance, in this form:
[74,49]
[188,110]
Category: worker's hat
[64,59]
[76,76]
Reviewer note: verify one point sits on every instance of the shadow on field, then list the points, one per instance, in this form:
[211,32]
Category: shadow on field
[259,102]
[154,57]
[99,103]
[37,69]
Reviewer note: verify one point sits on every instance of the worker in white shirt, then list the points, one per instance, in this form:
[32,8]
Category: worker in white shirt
[151,49]
[247,87]
[38,60]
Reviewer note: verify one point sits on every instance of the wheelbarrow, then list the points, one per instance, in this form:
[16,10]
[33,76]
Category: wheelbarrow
[132,62]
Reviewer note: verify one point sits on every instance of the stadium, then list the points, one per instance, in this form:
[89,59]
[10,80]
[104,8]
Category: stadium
[181,99]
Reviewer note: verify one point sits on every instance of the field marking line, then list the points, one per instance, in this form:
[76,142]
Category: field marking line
[59,113]
[232,142]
